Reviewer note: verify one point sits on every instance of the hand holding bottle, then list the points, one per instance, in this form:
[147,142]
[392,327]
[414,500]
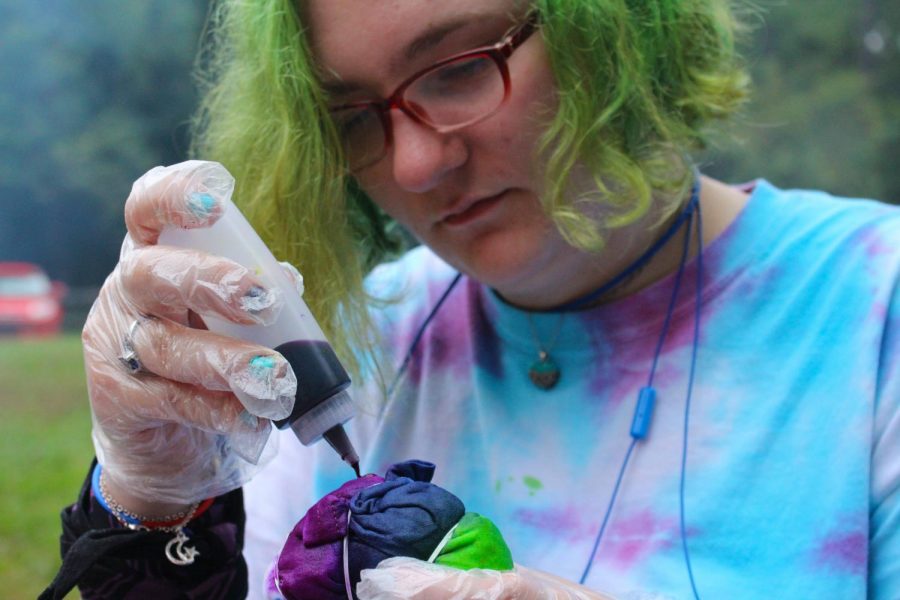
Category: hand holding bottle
[169,399]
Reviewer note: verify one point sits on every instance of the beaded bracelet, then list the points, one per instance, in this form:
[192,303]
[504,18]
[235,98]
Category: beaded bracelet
[176,551]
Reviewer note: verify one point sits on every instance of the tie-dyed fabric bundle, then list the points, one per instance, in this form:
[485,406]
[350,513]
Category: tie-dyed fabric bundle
[402,514]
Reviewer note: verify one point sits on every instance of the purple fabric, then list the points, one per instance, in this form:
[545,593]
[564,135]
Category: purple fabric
[401,515]
[311,563]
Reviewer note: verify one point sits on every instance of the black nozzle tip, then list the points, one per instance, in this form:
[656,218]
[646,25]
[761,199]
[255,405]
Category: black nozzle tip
[337,439]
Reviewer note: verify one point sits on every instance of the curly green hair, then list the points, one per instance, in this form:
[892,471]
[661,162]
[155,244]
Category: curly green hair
[660,72]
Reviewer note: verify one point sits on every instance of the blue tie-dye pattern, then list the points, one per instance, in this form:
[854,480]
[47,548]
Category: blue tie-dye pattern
[793,481]
[488,353]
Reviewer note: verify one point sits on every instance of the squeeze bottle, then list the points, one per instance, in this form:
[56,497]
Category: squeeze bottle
[322,404]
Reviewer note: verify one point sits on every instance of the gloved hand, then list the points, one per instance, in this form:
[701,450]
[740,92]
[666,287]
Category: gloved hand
[192,422]
[403,578]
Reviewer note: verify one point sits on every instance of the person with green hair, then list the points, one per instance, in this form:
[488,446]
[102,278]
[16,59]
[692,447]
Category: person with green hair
[654,383]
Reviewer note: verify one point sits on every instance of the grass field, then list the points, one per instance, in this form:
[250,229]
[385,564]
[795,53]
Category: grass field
[45,449]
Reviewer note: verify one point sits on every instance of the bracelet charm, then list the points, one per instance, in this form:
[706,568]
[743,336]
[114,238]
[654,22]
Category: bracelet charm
[176,551]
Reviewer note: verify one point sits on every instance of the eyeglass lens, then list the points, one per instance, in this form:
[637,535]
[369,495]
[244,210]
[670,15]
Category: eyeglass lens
[451,95]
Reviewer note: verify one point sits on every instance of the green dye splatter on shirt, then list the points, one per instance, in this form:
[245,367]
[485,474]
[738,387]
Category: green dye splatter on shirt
[532,483]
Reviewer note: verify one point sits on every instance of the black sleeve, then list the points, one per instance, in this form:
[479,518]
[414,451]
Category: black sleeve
[107,560]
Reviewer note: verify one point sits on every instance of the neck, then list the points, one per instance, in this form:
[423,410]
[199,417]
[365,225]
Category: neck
[593,272]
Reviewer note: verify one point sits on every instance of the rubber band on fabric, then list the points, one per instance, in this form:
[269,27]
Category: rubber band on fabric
[446,539]
[346,559]
[346,553]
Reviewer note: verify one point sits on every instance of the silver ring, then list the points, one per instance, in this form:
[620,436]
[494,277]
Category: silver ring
[129,357]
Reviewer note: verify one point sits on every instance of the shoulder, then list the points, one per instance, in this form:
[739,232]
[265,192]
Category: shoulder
[814,232]
[417,269]
[817,215]
[404,292]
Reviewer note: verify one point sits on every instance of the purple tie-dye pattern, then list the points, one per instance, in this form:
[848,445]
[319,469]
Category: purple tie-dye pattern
[634,538]
[788,393]
[873,242]
[458,332]
[564,521]
[487,342]
[449,332]
[843,551]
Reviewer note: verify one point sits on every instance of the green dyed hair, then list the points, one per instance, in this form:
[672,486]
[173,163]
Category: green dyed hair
[264,117]
[660,72]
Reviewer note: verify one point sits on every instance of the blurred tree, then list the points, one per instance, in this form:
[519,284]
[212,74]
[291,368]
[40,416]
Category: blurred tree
[825,107]
[92,93]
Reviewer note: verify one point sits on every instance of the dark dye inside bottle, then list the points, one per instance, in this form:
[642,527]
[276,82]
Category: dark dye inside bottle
[320,375]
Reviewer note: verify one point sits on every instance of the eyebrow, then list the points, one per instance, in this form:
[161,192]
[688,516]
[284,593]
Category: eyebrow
[432,37]
[428,39]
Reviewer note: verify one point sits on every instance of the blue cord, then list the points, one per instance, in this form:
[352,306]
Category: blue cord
[641,260]
[687,403]
[587,567]
[692,205]
[415,342]
[644,407]
[643,413]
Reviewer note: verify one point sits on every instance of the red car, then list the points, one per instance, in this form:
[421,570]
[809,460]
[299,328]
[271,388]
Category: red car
[30,304]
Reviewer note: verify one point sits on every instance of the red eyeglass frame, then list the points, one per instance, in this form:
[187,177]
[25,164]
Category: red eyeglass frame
[499,53]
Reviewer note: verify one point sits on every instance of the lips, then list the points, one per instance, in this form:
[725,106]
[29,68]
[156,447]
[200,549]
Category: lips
[470,210]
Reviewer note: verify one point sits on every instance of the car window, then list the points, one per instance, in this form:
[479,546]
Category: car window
[33,284]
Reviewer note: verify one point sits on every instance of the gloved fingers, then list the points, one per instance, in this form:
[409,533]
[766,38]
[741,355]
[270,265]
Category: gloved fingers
[294,275]
[403,578]
[560,589]
[260,377]
[154,401]
[166,440]
[171,463]
[186,195]
[165,281]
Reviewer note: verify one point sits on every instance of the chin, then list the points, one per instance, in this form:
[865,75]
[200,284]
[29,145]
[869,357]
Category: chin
[502,262]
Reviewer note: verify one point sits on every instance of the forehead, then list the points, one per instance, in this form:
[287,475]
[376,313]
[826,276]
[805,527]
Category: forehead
[353,38]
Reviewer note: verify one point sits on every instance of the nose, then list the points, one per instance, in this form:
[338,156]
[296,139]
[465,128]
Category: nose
[422,157]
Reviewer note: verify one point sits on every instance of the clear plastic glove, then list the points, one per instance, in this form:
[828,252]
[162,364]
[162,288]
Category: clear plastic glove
[403,578]
[178,430]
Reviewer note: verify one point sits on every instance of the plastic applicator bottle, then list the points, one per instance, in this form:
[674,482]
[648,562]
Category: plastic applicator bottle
[322,404]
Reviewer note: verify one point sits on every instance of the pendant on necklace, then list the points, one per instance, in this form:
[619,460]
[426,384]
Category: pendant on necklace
[544,372]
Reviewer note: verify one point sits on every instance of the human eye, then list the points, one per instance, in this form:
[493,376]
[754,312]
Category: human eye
[352,121]
[458,76]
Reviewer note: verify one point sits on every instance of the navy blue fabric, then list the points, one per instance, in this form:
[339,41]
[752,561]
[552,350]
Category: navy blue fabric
[417,470]
[404,516]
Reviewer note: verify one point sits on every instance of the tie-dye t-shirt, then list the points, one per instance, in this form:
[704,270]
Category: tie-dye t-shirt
[793,469]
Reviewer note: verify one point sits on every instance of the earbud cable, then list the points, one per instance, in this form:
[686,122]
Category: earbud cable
[646,398]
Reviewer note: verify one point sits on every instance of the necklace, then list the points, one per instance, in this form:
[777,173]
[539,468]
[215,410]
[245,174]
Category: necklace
[641,261]
[544,372]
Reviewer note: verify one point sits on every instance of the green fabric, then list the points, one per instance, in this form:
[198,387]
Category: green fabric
[476,544]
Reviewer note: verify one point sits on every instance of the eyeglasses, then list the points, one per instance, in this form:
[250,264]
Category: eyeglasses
[451,94]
